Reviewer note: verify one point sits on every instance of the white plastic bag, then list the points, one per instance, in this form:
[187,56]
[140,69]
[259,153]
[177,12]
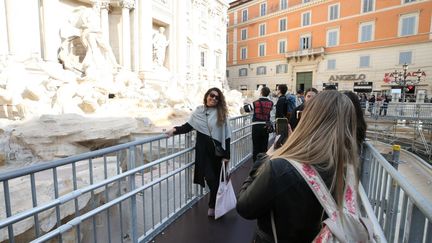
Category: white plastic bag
[225,198]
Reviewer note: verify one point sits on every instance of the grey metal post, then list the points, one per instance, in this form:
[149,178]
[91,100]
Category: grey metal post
[395,156]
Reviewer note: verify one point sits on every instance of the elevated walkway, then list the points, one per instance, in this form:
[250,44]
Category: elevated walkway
[195,227]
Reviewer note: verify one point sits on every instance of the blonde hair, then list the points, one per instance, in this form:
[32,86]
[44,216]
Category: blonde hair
[325,137]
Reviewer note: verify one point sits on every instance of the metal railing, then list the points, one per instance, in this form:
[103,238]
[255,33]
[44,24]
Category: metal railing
[402,212]
[401,111]
[124,193]
[130,192]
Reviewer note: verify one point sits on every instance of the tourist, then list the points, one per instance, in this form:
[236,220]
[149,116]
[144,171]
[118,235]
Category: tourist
[211,123]
[310,93]
[361,122]
[260,135]
[384,106]
[281,104]
[326,139]
[300,97]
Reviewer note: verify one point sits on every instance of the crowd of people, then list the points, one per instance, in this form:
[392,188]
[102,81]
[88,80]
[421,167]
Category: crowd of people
[325,131]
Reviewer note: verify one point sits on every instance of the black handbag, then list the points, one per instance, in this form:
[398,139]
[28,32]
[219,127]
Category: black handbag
[269,127]
[218,150]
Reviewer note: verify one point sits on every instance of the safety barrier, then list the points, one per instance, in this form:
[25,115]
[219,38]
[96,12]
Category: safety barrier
[128,192]
[132,191]
[403,213]
[400,111]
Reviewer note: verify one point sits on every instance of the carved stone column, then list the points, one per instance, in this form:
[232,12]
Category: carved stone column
[145,36]
[104,8]
[23,26]
[126,5]
[3,29]
[50,29]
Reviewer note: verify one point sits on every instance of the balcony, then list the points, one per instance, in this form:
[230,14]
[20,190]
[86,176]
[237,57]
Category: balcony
[310,54]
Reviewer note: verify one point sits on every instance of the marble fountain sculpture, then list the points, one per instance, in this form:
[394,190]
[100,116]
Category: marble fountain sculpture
[52,111]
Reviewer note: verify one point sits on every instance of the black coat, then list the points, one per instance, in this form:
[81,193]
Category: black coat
[280,188]
[207,164]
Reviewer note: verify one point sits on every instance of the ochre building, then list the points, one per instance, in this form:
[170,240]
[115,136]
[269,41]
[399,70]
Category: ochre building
[357,45]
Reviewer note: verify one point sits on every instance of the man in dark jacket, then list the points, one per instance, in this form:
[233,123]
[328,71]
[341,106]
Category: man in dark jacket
[281,104]
[262,108]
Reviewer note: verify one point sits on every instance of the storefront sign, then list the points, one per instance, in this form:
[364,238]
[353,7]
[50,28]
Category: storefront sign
[388,77]
[363,87]
[347,77]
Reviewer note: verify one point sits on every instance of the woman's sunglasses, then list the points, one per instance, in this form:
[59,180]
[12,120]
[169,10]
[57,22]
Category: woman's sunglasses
[213,96]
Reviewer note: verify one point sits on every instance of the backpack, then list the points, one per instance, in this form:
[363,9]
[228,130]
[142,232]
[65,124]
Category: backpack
[346,227]
[291,102]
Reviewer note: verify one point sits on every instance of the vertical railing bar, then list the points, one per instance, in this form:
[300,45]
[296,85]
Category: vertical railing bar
[107,199]
[143,191]
[384,199]
[152,187]
[34,202]
[119,193]
[394,211]
[56,195]
[133,214]
[8,209]
[92,196]
[378,189]
[403,218]
[76,202]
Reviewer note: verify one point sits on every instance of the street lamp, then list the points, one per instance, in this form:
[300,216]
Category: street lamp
[400,78]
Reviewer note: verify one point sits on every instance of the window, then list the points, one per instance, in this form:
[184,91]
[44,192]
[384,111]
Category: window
[408,24]
[203,58]
[261,50]
[227,73]
[262,29]
[244,15]
[282,68]
[332,37]
[282,24]
[333,12]
[366,31]
[305,42]
[306,18]
[261,70]
[367,5]
[306,1]
[405,57]
[283,4]
[331,64]
[243,34]
[263,9]
[243,72]
[243,53]
[409,1]
[365,61]
[282,46]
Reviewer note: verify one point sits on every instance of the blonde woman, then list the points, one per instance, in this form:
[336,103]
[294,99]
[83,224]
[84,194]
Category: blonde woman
[325,138]
[210,120]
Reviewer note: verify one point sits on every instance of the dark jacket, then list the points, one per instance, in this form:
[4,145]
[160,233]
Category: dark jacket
[281,107]
[295,117]
[207,164]
[278,187]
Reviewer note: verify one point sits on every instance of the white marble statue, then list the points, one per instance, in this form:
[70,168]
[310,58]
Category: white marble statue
[160,44]
[84,24]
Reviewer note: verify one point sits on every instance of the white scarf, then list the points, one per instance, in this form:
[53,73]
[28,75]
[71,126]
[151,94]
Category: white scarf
[205,118]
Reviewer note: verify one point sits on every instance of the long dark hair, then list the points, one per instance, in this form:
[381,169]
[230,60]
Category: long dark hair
[361,123]
[221,106]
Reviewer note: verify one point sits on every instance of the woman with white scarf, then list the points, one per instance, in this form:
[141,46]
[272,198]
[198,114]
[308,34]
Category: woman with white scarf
[211,123]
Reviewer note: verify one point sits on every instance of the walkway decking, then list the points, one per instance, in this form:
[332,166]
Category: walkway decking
[195,227]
